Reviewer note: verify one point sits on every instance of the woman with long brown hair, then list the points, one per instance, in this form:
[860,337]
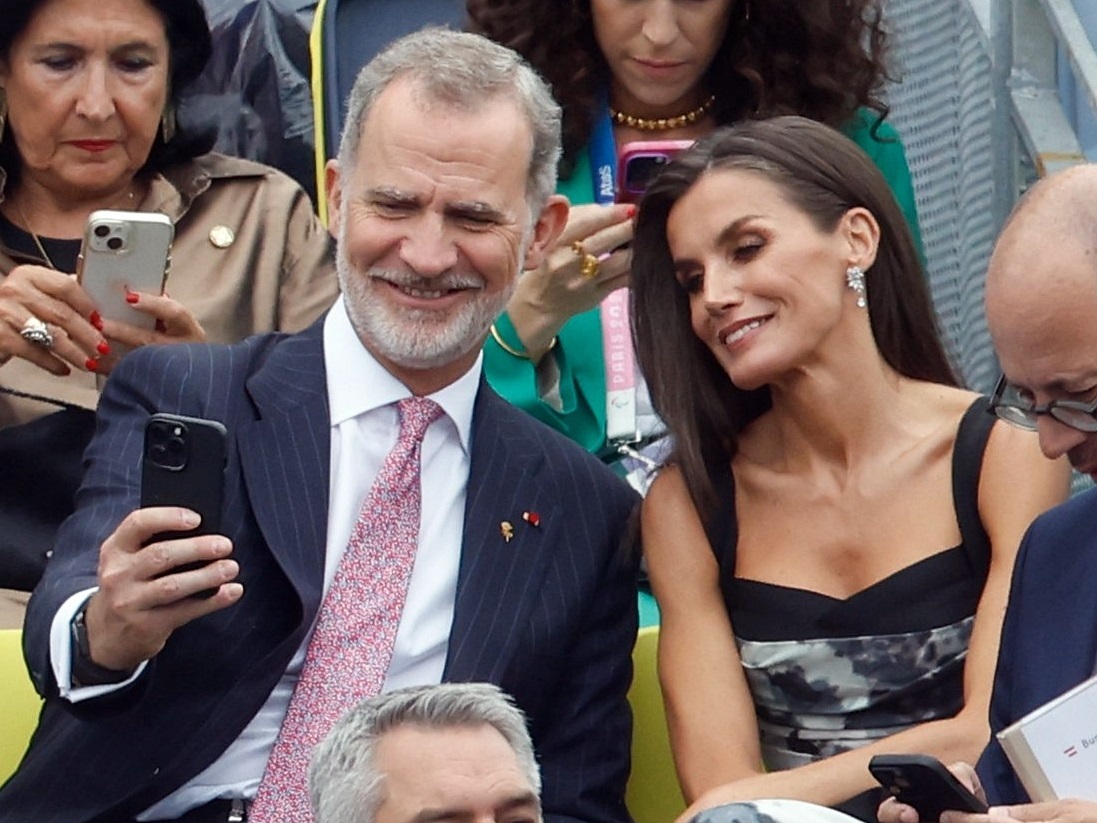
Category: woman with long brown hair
[832,539]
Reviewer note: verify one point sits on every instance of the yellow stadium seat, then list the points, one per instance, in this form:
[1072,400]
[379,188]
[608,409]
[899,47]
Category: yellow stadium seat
[653,794]
[19,704]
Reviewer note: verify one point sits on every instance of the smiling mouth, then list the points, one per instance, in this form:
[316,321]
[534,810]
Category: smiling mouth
[426,294]
[734,334]
[430,291]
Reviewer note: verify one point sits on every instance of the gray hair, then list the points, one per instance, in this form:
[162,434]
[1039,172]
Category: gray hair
[465,71]
[344,784]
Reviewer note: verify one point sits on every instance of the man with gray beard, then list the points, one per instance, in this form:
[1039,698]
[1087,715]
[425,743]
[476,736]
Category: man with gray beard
[387,520]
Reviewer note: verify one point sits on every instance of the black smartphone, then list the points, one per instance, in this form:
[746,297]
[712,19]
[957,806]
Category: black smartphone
[184,465]
[923,782]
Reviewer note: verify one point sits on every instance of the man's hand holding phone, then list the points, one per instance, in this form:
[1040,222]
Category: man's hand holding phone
[143,597]
[166,563]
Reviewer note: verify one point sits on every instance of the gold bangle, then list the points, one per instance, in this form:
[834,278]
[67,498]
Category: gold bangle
[513,351]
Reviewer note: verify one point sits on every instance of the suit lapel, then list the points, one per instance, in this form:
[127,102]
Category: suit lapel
[285,458]
[498,580]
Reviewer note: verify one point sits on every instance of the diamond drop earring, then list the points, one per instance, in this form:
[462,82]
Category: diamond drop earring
[855,280]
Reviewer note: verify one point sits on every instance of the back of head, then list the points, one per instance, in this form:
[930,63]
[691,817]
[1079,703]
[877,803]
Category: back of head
[464,71]
[822,173]
[1058,210]
[1045,260]
[344,783]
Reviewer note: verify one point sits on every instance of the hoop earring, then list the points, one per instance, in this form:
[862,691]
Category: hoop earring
[855,281]
[3,113]
[167,123]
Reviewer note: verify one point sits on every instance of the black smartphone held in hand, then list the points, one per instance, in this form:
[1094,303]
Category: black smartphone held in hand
[639,161]
[184,465]
[923,782]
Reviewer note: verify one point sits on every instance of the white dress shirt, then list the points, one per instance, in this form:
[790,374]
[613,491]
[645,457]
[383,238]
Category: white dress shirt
[364,428]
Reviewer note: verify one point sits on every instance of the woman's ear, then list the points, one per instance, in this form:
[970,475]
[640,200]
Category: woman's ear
[862,234]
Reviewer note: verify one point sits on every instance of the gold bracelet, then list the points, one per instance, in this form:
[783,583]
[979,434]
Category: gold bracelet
[513,351]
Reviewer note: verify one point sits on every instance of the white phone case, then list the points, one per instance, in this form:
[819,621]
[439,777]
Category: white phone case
[125,250]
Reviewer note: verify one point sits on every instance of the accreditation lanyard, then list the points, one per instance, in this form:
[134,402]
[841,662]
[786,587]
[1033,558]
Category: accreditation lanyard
[616,333]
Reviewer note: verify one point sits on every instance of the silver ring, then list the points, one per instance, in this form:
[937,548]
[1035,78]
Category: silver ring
[35,331]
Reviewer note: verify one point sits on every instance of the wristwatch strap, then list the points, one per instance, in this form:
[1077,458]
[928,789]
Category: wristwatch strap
[85,671]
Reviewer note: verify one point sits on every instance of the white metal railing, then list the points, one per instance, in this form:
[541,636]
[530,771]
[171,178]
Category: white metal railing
[991,96]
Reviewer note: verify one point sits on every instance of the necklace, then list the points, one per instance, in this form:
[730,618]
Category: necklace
[38,240]
[663,123]
[34,236]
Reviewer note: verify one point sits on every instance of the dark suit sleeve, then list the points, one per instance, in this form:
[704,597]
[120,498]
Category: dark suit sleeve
[585,750]
[110,490]
[149,380]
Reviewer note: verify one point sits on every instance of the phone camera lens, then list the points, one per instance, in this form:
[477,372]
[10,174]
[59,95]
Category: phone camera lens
[102,230]
[642,170]
[114,244]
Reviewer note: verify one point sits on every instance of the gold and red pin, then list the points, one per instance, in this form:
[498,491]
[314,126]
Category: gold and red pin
[506,528]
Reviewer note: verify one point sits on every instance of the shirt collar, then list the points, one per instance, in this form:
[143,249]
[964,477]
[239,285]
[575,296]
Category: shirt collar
[373,386]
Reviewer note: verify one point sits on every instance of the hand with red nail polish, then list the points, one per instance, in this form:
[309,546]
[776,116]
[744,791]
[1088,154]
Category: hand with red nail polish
[58,301]
[557,290]
[173,323]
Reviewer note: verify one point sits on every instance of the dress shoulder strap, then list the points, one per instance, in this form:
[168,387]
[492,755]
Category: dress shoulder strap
[967,465]
[722,529]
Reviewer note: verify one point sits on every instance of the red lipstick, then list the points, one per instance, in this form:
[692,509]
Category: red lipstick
[94,146]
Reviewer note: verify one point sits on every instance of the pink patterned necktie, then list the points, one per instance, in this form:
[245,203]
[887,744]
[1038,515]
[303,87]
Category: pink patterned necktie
[356,628]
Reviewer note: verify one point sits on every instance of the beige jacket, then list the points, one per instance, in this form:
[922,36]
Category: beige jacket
[278,272]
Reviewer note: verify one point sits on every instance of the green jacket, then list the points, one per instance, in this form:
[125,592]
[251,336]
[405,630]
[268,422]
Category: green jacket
[578,350]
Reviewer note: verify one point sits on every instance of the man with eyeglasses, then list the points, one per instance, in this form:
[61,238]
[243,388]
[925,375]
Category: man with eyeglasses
[1041,302]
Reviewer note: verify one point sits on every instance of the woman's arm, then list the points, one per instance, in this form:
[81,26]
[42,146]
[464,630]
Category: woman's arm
[1006,507]
[710,713]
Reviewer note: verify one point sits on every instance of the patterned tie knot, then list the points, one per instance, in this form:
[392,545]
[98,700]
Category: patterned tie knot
[416,415]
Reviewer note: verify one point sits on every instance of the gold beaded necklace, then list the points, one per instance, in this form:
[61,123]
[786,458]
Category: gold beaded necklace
[662,123]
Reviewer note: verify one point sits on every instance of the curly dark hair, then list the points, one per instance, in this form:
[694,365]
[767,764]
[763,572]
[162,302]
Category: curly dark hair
[824,174]
[821,59]
[190,44]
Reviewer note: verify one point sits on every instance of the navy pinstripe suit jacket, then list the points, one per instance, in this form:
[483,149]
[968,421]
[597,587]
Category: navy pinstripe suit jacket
[549,616]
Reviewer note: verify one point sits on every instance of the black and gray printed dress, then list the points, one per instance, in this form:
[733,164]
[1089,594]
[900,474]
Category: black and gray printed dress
[829,675]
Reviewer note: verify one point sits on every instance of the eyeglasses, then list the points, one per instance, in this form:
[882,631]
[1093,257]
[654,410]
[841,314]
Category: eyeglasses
[1013,407]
